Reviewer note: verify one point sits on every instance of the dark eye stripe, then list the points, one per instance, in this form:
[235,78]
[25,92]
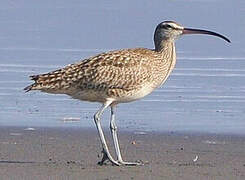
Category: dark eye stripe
[166,26]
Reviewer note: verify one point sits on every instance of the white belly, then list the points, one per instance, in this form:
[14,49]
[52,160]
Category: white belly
[147,89]
[96,96]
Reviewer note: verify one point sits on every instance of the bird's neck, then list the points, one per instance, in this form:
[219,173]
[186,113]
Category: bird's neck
[163,45]
[166,50]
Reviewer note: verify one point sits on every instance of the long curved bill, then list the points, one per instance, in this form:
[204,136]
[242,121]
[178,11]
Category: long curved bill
[200,31]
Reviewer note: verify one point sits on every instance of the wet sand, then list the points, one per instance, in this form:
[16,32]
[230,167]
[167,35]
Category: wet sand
[73,153]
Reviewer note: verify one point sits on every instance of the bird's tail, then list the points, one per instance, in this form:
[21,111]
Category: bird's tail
[28,88]
[49,82]
[53,82]
[34,85]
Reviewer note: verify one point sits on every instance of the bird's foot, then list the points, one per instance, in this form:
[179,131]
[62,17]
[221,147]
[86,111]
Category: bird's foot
[121,163]
[105,158]
[125,163]
[118,162]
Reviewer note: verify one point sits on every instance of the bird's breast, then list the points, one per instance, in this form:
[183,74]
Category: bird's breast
[136,94]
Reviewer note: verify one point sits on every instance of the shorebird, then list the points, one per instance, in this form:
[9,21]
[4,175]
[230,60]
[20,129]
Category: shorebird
[118,76]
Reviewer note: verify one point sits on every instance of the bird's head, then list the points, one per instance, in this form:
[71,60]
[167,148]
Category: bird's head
[170,31]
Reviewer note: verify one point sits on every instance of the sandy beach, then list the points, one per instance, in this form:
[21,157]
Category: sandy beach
[205,93]
[73,153]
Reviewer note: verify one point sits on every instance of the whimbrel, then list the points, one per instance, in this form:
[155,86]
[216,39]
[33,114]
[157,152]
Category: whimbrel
[118,76]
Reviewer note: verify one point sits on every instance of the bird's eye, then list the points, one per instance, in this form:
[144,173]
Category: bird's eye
[165,26]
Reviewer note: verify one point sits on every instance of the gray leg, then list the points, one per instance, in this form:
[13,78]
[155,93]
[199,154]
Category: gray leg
[106,153]
[113,128]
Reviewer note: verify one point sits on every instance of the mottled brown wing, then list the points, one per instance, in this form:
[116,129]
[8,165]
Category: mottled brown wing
[125,69]
[114,70]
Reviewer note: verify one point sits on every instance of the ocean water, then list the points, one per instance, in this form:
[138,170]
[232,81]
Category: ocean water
[205,92]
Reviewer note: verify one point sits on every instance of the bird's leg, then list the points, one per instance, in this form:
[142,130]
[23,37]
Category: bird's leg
[105,151]
[113,128]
